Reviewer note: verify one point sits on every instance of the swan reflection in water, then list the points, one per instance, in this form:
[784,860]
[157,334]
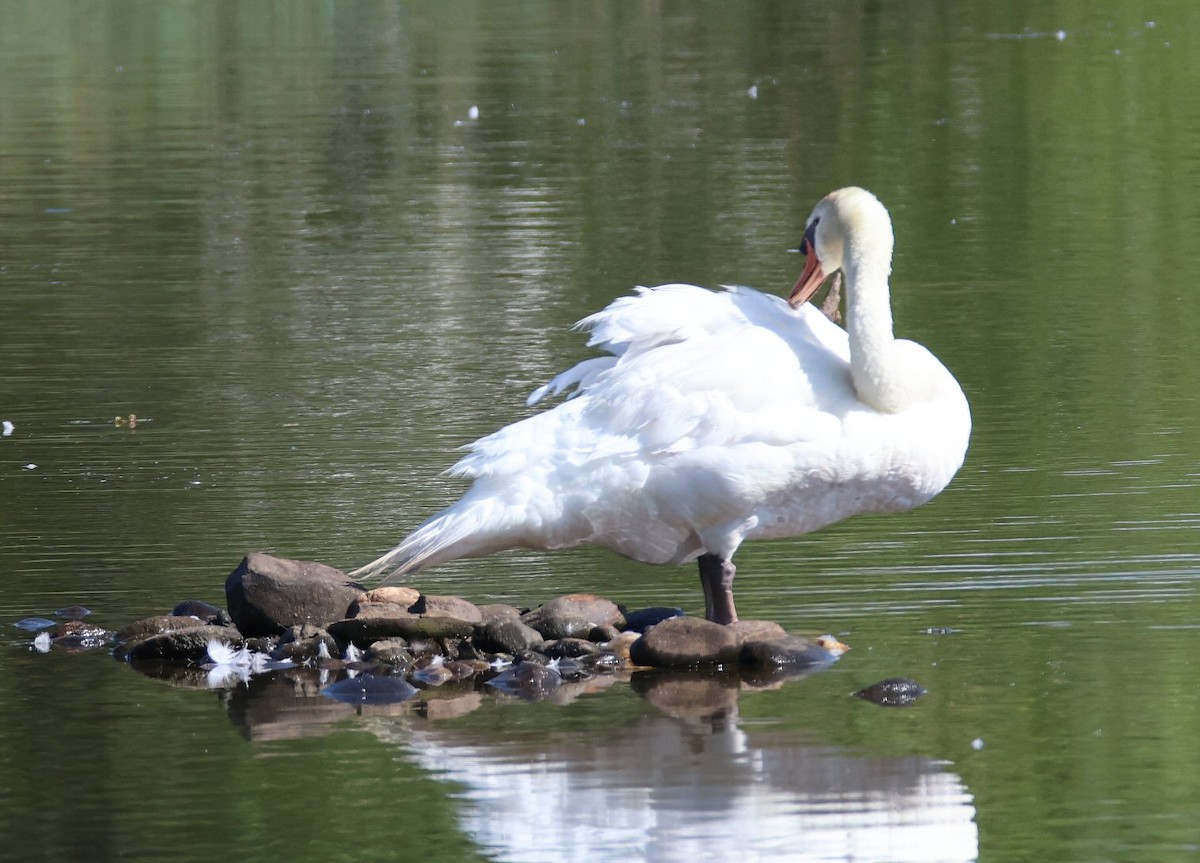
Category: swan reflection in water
[672,790]
[681,779]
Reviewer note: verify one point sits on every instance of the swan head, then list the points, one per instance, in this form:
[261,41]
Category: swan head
[843,222]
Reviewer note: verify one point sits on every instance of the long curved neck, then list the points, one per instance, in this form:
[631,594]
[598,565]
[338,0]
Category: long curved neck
[869,323]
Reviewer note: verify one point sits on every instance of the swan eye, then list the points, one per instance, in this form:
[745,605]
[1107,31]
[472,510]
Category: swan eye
[809,243]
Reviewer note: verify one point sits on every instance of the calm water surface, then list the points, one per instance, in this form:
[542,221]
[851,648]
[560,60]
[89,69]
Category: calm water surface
[278,234]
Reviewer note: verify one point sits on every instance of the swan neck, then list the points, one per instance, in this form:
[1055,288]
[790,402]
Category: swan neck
[869,324]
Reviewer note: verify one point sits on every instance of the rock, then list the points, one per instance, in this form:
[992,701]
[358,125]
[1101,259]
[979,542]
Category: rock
[303,643]
[644,618]
[620,645]
[202,610]
[683,642]
[893,692]
[507,635]
[156,626]
[570,648]
[604,633]
[572,616]
[447,606]
[757,630]
[268,594]
[76,633]
[498,611]
[391,651]
[376,622]
[405,596]
[73,612]
[789,651]
[181,645]
[595,609]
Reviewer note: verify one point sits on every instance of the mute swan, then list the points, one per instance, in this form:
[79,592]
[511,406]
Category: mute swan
[718,417]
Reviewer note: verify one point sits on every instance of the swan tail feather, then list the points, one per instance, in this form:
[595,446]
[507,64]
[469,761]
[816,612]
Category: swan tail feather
[460,531]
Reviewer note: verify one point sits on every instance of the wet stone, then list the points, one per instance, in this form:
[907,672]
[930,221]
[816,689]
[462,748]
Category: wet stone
[557,622]
[570,648]
[73,612]
[644,618]
[893,692]
[573,616]
[377,622]
[204,611]
[391,651]
[303,643]
[603,633]
[684,642]
[183,645]
[79,633]
[156,626]
[507,635]
[791,651]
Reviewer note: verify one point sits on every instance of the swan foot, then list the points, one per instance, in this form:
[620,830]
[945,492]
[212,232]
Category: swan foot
[716,577]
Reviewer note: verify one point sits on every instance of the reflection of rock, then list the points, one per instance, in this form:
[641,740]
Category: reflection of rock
[267,594]
[687,694]
[529,680]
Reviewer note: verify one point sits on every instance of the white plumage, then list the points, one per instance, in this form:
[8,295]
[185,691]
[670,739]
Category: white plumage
[717,417]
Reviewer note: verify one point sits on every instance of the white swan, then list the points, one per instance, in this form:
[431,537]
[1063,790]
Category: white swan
[717,418]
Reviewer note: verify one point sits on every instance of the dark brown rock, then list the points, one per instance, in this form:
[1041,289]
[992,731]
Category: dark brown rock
[601,634]
[893,692]
[570,648]
[791,651]
[302,643]
[370,627]
[181,645]
[497,611]
[391,651]
[448,606]
[573,616]
[507,635]
[683,642]
[644,618]
[197,608]
[148,626]
[267,594]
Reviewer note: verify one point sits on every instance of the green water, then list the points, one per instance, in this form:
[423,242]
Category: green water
[276,234]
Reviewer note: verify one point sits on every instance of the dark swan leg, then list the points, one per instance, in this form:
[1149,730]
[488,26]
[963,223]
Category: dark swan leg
[716,577]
